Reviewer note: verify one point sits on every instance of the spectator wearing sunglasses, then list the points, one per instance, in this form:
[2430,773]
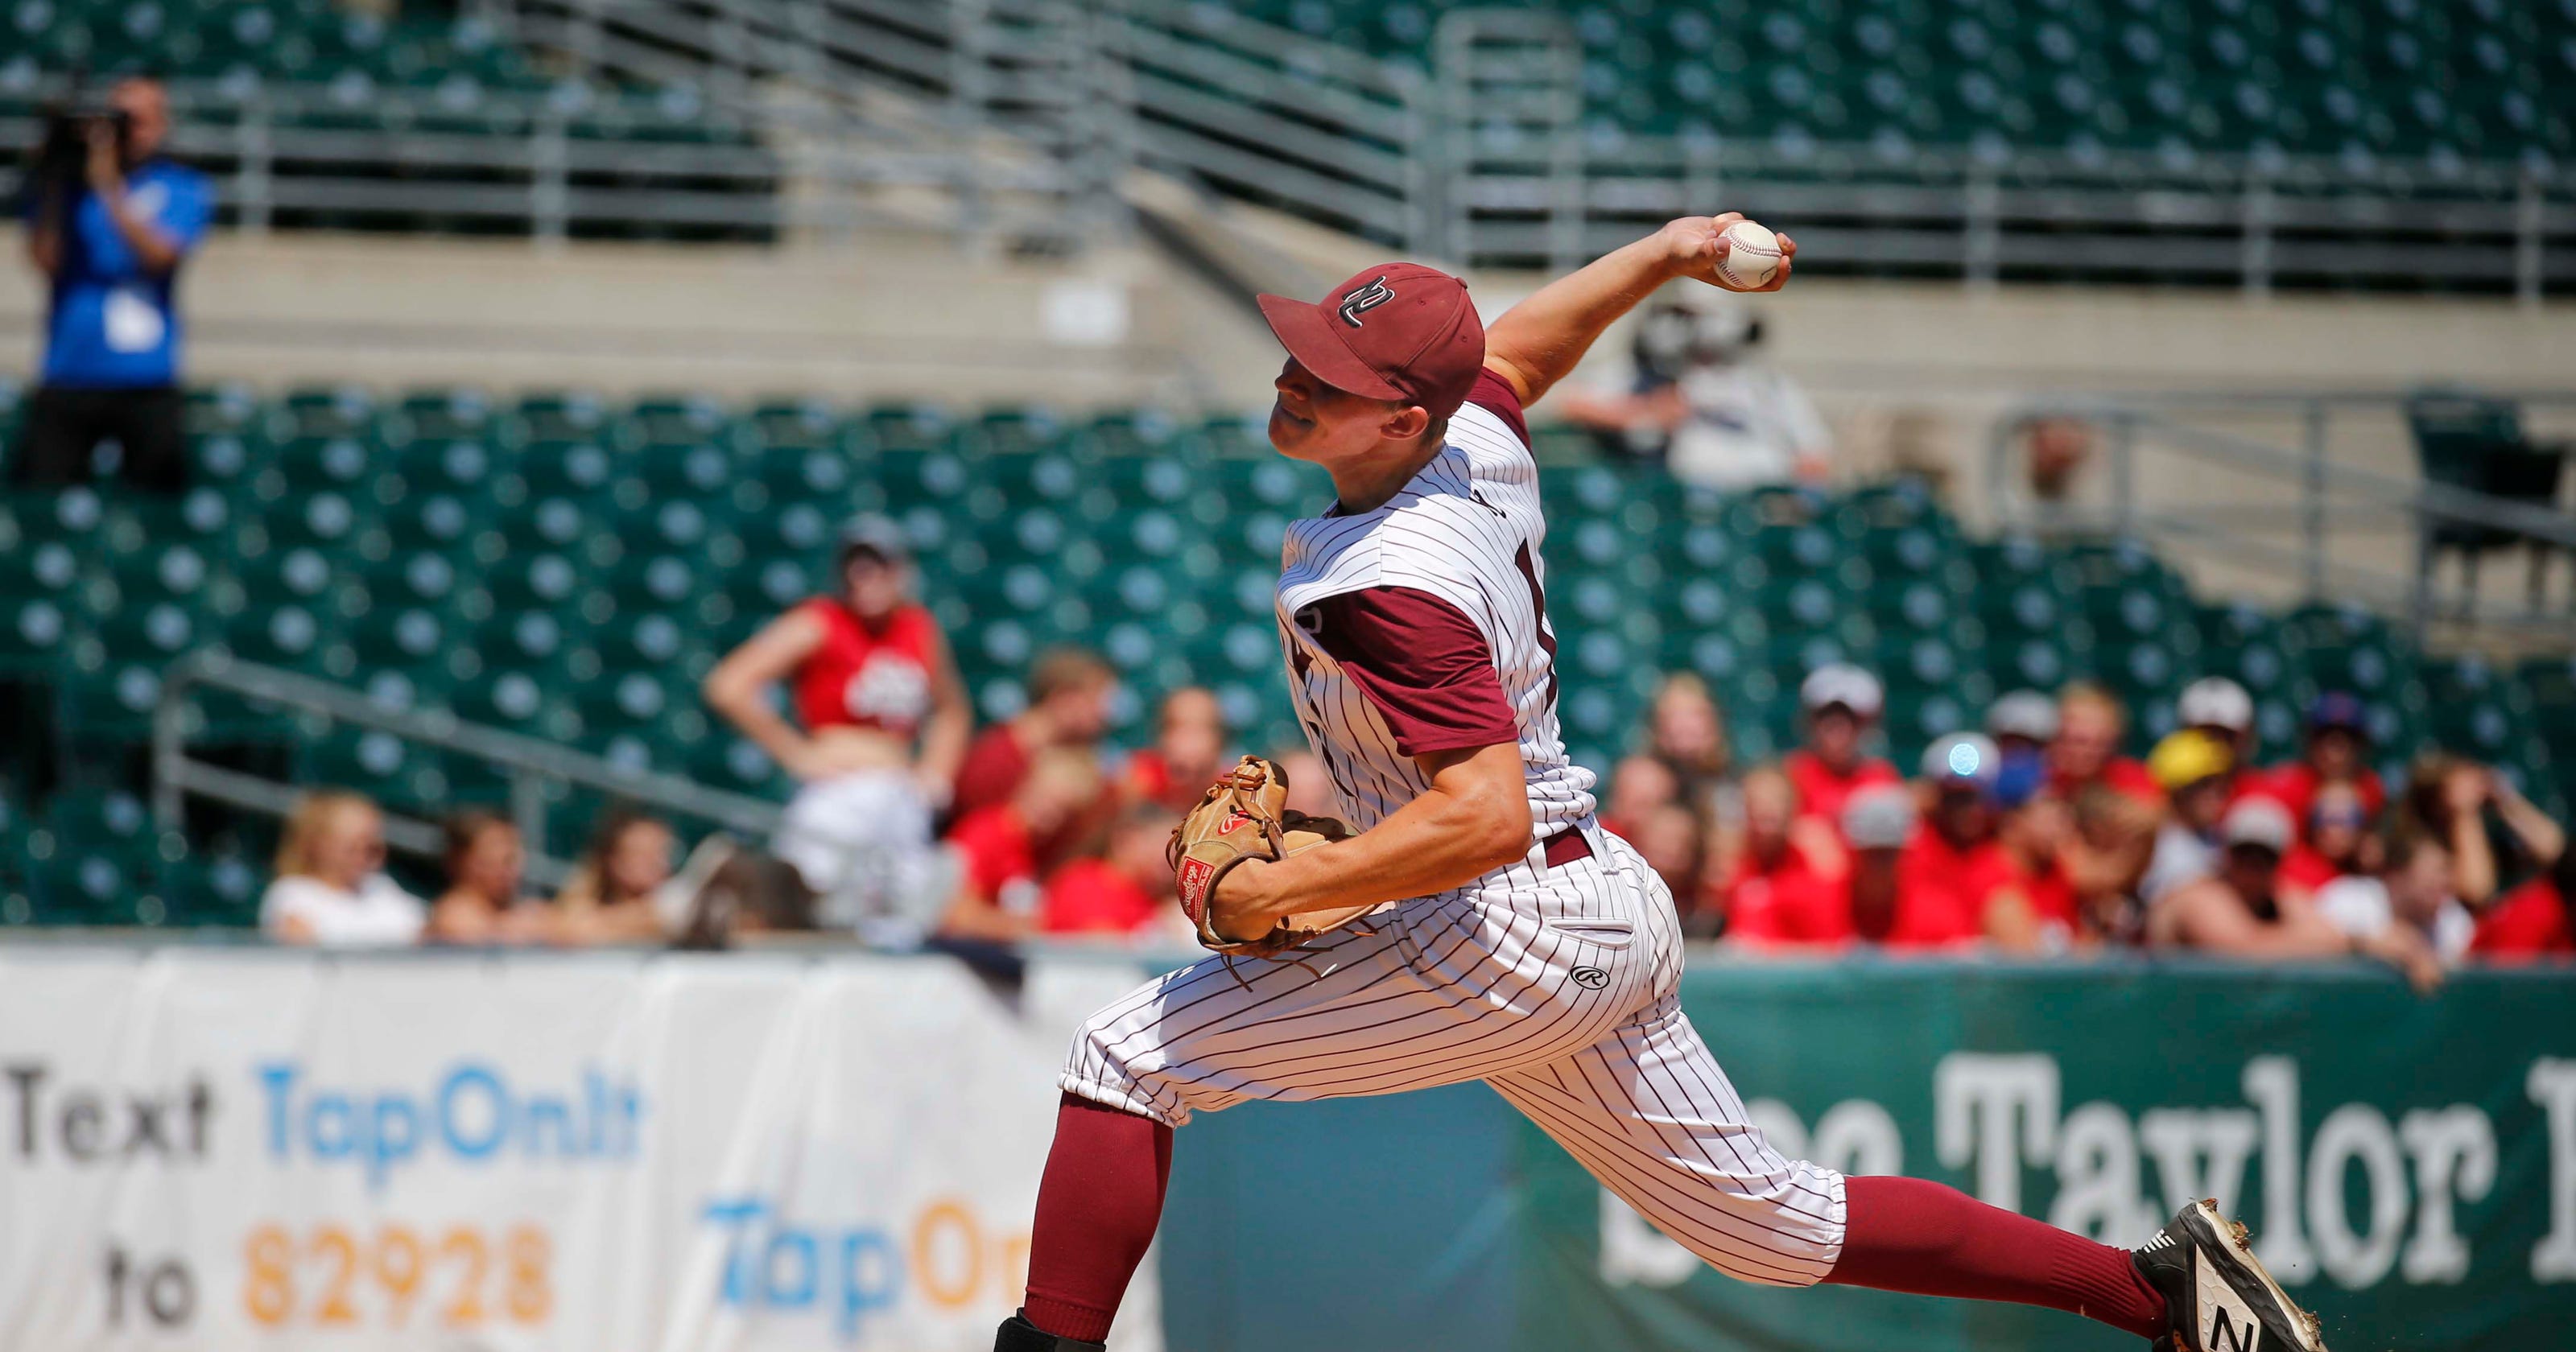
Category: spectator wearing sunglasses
[331,890]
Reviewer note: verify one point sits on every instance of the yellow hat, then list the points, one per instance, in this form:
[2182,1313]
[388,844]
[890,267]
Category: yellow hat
[2188,757]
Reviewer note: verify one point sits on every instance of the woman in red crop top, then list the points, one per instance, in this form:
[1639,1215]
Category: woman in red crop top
[884,724]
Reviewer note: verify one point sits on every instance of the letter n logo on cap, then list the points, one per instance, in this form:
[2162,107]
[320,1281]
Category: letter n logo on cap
[1365,299]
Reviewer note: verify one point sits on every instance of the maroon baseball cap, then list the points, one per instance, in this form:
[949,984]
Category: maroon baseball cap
[1396,331]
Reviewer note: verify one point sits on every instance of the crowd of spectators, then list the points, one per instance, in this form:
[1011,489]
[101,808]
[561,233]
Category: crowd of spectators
[330,888]
[2037,836]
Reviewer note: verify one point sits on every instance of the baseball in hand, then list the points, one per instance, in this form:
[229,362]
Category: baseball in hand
[1752,257]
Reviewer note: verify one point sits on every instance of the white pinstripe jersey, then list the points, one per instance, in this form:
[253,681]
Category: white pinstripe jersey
[1466,530]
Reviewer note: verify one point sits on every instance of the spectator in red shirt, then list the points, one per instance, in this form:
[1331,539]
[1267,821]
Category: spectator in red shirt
[1189,750]
[1068,706]
[884,720]
[2033,830]
[2531,920]
[2090,723]
[2338,752]
[1128,892]
[999,897]
[2339,842]
[1841,702]
[1879,821]
[1777,894]
[1954,886]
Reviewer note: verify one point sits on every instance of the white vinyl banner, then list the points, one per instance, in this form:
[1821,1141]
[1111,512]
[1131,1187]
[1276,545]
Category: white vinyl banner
[255,1149]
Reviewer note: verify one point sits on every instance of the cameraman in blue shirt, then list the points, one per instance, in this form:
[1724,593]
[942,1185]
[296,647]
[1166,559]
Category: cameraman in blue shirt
[110,237]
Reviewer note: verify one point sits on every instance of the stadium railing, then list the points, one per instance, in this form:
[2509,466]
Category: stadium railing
[2256,533]
[528,763]
[1488,158]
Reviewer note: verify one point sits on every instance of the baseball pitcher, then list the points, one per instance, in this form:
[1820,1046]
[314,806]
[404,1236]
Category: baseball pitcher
[1468,918]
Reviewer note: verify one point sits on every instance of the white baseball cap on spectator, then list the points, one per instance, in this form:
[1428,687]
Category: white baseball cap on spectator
[1844,684]
[2215,702]
[1880,817]
[1968,758]
[2258,821]
[2026,714]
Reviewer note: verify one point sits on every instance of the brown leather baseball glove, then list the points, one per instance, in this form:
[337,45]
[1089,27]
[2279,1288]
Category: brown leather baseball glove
[1245,815]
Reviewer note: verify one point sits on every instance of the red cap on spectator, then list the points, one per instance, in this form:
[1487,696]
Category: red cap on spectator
[1396,331]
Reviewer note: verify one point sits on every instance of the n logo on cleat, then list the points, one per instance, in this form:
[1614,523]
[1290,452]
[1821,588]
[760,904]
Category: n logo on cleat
[2227,1323]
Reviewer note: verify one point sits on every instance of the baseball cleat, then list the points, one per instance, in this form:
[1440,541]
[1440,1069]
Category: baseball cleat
[2218,1298]
[1017,1334]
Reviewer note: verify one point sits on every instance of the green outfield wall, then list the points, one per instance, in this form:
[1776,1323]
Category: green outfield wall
[2408,1165]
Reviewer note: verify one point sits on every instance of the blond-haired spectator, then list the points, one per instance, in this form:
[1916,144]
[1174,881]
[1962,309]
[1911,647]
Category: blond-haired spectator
[2086,751]
[330,890]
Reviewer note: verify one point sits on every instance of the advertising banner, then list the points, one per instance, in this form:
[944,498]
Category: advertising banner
[248,1149]
[2408,1165]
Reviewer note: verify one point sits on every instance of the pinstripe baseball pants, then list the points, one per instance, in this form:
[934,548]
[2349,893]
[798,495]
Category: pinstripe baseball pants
[1555,986]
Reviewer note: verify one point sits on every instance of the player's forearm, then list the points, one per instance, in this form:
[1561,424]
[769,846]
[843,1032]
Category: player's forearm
[1536,342]
[1448,836]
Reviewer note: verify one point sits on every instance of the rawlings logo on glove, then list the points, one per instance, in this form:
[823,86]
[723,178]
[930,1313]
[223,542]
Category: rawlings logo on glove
[1212,839]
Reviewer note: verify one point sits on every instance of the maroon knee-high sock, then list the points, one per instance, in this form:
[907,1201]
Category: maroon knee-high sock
[1905,1234]
[1098,1204]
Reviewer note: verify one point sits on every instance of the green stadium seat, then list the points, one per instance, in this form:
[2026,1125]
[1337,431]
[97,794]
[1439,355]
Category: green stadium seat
[324,520]
[807,424]
[341,411]
[296,636]
[576,470]
[913,429]
[216,891]
[730,762]
[684,420]
[402,775]
[462,414]
[230,460]
[562,418]
[403,636]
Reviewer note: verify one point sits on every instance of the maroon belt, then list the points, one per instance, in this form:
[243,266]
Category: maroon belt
[1566,846]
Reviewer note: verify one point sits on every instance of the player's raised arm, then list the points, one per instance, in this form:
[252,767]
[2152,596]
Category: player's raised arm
[1535,343]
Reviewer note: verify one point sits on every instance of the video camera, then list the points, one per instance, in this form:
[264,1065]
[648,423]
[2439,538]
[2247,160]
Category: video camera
[61,168]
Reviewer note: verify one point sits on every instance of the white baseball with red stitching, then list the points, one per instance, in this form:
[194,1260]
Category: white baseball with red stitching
[1752,256]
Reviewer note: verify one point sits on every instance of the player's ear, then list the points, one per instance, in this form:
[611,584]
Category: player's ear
[1406,423]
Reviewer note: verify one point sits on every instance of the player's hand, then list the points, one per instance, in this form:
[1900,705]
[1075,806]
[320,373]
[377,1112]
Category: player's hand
[1241,907]
[1694,246]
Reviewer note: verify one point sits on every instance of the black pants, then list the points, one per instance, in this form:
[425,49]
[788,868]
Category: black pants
[64,427]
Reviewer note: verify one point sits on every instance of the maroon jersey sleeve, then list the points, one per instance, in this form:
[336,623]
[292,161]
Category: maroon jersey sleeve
[1491,394]
[1422,664]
